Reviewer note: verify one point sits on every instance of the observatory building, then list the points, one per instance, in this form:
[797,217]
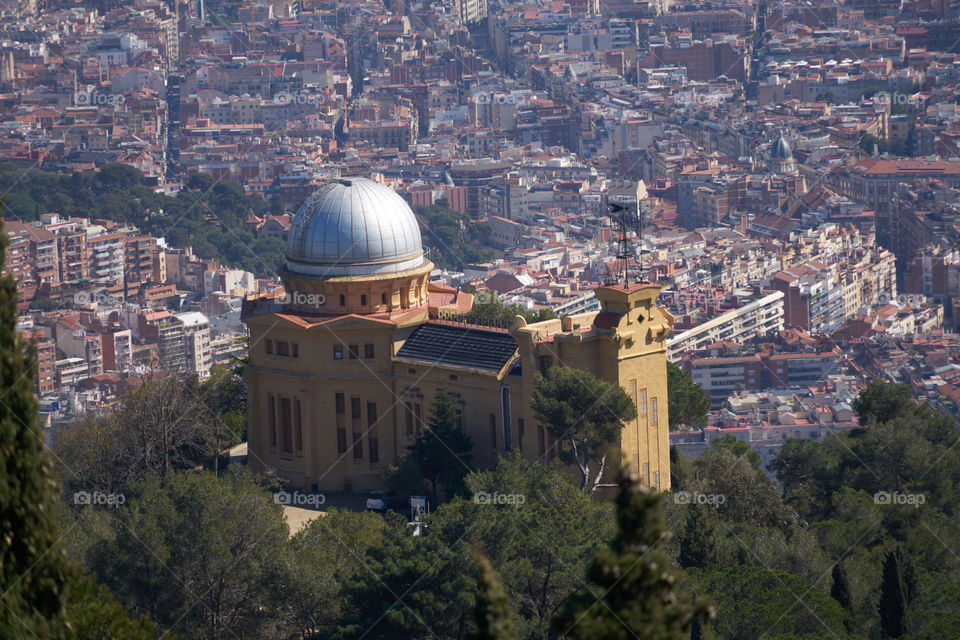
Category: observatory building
[344,369]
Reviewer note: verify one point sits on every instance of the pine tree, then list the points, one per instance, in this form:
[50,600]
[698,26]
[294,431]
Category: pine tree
[633,579]
[492,612]
[33,571]
[442,452]
[896,591]
[697,540]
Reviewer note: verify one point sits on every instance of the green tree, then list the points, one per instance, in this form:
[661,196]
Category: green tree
[882,402]
[808,473]
[687,404]
[200,554]
[840,589]
[33,571]
[487,306]
[223,396]
[632,579]
[492,613]
[94,614]
[896,592]
[410,587]
[324,555]
[697,540]
[540,543]
[585,412]
[748,495]
[754,602]
[739,448]
[442,451]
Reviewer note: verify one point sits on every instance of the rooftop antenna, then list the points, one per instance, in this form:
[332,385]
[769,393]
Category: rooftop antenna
[625,220]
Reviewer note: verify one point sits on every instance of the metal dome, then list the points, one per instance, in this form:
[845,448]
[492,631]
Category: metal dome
[353,227]
[781,149]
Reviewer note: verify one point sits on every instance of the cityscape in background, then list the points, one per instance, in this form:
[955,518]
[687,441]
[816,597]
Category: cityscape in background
[800,170]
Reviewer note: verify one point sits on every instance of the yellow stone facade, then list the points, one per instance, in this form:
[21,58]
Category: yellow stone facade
[333,402]
[344,369]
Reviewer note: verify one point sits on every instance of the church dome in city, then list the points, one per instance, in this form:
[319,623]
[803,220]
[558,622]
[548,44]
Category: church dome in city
[781,149]
[354,227]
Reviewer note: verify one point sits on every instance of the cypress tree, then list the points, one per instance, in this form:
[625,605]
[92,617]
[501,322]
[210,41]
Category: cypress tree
[840,591]
[33,570]
[895,593]
[492,612]
[634,580]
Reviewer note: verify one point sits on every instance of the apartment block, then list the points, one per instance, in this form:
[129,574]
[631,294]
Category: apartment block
[761,317]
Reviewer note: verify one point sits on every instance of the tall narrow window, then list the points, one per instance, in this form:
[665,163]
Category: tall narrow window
[408,418]
[354,351]
[294,350]
[297,427]
[656,480]
[642,404]
[493,431]
[654,412]
[635,464]
[372,440]
[343,300]
[341,424]
[363,300]
[368,352]
[286,427]
[272,420]
[645,474]
[418,414]
[355,423]
[268,345]
[338,352]
[507,418]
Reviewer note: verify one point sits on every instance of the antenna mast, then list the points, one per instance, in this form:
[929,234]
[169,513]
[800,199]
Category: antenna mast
[625,220]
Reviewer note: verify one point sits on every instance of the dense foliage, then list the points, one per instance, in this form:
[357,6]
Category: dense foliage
[489,309]
[853,539]
[208,215]
[585,412]
[42,594]
[454,240]
[33,574]
[688,406]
